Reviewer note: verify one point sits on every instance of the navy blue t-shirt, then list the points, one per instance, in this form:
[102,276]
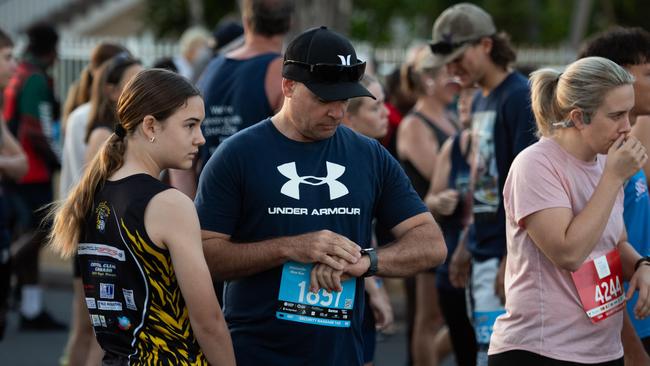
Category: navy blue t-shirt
[502,125]
[259,185]
[235,97]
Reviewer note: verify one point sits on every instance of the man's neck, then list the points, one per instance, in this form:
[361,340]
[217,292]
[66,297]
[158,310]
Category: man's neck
[255,44]
[493,77]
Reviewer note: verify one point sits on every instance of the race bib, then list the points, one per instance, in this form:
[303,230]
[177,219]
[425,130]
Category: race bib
[484,324]
[296,303]
[600,286]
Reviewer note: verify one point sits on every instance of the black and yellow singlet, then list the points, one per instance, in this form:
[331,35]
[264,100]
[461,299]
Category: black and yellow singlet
[134,300]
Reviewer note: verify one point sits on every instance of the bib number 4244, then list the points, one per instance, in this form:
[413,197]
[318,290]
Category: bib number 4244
[598,282]
[605,292]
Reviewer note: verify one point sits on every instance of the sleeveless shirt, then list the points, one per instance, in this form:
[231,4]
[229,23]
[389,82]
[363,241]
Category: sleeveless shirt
[235,97]
[452,225]
[421,183]
[135,304]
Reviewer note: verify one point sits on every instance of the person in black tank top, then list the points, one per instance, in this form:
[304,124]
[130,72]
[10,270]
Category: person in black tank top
[449,201]
[419,138]
[147,285]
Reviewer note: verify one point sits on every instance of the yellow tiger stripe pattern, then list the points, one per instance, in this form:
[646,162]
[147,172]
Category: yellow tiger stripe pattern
[166,336]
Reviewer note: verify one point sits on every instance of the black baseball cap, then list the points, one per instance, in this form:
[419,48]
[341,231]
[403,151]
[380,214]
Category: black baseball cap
[326,63]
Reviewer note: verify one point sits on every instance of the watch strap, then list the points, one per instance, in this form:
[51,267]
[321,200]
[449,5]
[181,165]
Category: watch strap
[642,260]
[372,255]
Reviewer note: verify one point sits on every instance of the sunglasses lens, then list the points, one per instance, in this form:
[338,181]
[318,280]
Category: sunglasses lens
[441,48]
[338,73]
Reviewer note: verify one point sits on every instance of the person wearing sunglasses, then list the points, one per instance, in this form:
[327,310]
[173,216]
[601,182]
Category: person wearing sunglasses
[286,209]
[466,40]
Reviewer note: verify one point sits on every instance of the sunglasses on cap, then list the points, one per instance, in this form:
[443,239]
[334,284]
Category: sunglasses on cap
[444,48]
[332,73]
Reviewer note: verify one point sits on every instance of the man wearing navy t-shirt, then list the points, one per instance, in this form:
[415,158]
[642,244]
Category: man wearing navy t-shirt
[286,208]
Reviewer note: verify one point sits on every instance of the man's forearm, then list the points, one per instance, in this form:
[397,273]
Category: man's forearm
[420,248]
[228,260]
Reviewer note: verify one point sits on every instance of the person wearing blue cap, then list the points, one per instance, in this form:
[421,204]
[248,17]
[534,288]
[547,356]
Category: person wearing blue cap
[286,208]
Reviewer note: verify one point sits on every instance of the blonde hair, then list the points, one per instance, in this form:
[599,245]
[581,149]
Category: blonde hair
[355,103]
[424,64]
[582,85]
[191,37]
[155,92]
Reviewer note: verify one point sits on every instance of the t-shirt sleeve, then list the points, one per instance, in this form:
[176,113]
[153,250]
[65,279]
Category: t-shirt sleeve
[218,197]
[518,114]
[533,185]
[397,200]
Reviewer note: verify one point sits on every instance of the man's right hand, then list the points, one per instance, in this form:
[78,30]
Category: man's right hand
[325,247]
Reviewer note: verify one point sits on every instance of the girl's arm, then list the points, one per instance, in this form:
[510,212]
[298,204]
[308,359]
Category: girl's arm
[171,219]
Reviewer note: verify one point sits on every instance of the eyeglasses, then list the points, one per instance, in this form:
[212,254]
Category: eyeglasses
[332,73]
[444,48]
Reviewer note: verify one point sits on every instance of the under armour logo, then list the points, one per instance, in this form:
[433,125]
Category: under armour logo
[345,60]
[292,187]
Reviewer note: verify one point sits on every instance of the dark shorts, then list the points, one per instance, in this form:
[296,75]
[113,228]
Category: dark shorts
[519,357]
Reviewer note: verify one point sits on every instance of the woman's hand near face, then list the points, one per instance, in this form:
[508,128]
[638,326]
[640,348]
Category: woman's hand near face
[625,158]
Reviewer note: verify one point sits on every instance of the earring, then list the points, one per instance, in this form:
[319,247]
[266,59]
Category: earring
[152,139]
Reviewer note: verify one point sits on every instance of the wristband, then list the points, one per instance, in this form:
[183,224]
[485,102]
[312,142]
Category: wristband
[372,255]
[638,263]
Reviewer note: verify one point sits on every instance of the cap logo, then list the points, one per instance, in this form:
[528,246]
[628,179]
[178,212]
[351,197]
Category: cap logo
[345,60]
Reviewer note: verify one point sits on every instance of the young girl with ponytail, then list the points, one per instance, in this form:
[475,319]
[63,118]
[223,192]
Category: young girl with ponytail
[147,286]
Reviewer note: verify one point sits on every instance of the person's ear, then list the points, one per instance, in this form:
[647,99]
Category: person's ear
[288,87]
[578,118]
[486,44]
[148,126]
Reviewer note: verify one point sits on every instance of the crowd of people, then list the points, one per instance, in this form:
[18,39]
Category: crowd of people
[244,205]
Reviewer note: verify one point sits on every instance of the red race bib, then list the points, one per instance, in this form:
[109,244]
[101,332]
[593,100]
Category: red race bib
[600,286]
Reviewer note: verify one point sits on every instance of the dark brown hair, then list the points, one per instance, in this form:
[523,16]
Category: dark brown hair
[80,92]
[502,53]
[102,108]
[155,92]
[268,17]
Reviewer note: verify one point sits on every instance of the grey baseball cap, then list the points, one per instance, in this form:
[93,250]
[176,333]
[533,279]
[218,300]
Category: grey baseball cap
[457,27]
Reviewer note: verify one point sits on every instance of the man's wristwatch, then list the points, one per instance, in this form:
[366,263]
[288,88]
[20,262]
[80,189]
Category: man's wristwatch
[372,255]
[643,260]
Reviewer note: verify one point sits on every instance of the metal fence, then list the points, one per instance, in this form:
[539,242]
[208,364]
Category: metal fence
[74,54]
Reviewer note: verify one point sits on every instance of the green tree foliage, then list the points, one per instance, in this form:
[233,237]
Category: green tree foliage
[371,19]
[169,18]
[539,22]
